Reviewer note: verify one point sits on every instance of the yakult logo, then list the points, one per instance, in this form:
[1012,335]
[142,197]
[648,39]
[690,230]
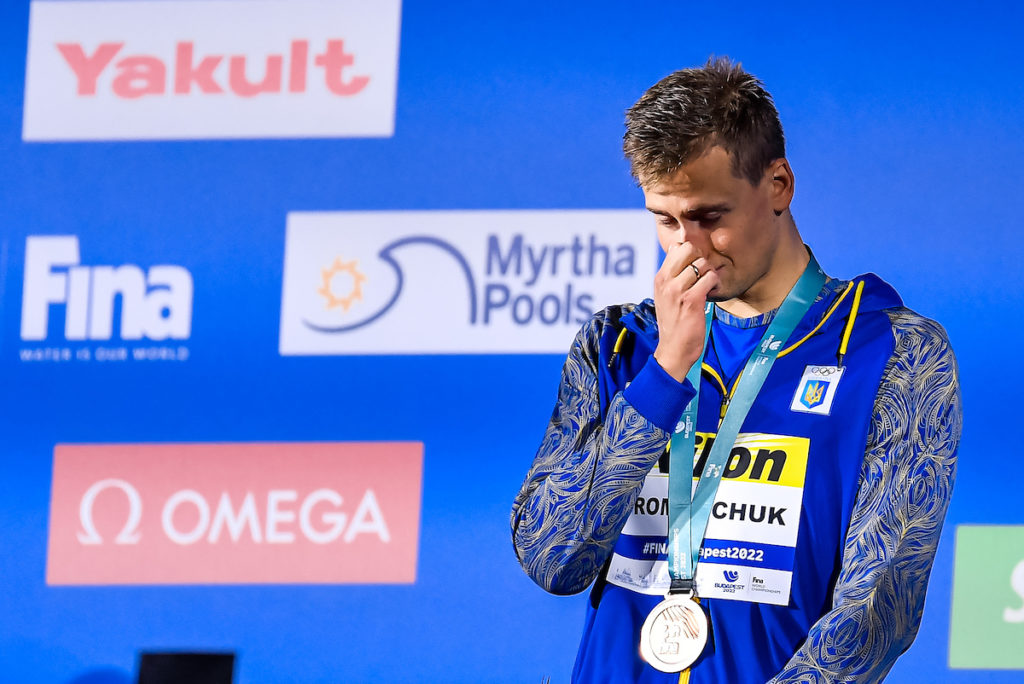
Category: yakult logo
[148,75]
[327,513]
[168,69]
[155,305]
[457,281]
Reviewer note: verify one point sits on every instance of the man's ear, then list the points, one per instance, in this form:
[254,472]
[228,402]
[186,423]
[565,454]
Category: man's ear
[780,176]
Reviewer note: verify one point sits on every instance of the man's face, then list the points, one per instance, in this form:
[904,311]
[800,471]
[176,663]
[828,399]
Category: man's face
[730,222]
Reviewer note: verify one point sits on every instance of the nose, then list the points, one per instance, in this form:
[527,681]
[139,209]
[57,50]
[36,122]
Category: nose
[691,232]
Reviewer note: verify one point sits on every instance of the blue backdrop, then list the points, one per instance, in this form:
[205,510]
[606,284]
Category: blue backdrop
[905,127]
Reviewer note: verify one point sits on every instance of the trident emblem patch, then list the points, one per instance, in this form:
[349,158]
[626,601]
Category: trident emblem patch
[817,389]
[814,393]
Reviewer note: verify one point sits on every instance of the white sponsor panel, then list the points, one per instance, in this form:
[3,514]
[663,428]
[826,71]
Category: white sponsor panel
[743,583]
[643,576]
[755,518]
[459,282]
[181,69]
[713,580]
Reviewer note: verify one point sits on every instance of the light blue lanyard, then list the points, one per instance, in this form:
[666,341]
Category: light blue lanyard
[687,523]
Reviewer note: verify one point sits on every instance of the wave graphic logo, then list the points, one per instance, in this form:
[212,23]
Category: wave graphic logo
[352,279]
[456,282]
[731,575]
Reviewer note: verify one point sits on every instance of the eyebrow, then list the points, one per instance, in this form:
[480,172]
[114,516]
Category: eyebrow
[695,212]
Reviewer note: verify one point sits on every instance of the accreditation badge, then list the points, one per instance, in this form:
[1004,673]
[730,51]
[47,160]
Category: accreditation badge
[817,389]
[674,634]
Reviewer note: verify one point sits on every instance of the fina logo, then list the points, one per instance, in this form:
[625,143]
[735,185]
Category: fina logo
[456,281]
[110,312]
[156,304]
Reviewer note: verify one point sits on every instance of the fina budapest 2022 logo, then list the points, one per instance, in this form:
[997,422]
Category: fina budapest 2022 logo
[457,282]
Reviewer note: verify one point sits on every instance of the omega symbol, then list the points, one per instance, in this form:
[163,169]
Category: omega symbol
[129,534]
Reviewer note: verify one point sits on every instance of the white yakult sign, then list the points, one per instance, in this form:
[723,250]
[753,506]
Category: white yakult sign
[457,282]
[181,69]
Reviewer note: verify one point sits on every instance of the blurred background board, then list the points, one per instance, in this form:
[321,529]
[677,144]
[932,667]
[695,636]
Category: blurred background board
[170,206]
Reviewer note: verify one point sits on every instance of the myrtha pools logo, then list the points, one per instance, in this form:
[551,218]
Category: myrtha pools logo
[456,281]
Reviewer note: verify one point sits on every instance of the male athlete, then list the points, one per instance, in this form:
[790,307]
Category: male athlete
[805,551]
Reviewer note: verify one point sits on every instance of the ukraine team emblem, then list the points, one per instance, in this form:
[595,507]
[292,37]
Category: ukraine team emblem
[814,393]
[817,390]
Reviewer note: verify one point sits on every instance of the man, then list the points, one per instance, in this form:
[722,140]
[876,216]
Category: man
[820,523]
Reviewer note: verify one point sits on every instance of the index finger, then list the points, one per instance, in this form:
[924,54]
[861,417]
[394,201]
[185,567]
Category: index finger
[678,257]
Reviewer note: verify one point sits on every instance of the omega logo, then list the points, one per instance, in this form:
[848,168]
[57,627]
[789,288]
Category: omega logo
[272,527]
[129,533]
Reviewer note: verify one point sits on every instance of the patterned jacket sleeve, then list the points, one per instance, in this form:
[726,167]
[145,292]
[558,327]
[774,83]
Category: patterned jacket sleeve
[905,485]
[585,477]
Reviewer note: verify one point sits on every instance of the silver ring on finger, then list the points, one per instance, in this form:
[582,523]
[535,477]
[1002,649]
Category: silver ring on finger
[696,271]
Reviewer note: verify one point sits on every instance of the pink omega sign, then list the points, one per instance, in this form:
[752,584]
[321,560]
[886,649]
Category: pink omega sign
[247,513]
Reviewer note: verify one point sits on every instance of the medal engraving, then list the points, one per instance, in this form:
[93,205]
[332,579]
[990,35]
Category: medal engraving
[674,634]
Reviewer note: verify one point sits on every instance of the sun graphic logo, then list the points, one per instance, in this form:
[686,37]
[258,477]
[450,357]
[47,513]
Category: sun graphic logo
[342,284]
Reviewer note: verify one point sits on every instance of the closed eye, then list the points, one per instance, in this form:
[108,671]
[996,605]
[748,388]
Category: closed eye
[707,215]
